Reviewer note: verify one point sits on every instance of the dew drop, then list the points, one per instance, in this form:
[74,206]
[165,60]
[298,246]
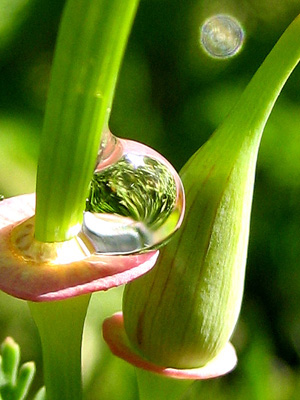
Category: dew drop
[222,36]
[136,199]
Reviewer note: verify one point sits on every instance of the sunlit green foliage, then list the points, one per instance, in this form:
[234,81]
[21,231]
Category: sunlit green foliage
[121,189]
[15,380]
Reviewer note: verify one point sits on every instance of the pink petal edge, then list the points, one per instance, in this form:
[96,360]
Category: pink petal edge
[49,282]
[115,336]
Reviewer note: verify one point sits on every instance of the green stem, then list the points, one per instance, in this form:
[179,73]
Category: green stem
[90,46]
[60,325]
[251,113]
[156,387]
[201,271]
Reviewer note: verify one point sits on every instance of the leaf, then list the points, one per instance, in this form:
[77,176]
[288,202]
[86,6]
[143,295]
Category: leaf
[15,382]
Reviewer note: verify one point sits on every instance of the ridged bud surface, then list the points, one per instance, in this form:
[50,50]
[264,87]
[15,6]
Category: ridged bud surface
[182,313]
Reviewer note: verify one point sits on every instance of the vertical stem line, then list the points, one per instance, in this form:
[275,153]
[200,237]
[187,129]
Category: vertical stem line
[60,325]
[90,46]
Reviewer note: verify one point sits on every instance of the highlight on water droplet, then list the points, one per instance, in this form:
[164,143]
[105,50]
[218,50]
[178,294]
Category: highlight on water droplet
[222,36]
[136,199]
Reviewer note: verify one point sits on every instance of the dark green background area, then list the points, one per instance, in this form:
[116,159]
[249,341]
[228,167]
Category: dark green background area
[171,96]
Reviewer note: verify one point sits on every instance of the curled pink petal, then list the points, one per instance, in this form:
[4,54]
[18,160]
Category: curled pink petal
[46,281]
[115,336]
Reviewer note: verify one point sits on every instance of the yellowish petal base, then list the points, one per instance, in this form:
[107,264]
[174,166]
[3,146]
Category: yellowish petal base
[37,271]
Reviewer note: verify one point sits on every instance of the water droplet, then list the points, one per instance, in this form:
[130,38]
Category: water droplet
[222,36]
[1,197]
[136,199]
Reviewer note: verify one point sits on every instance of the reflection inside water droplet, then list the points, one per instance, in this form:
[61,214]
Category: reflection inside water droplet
[222,36]
[136,199]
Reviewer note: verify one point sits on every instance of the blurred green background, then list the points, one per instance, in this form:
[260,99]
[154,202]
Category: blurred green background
[171,96]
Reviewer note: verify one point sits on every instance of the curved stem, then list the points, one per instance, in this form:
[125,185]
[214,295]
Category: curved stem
[249,116]
[156,387]
[90,46]
[202,269]
[60,325]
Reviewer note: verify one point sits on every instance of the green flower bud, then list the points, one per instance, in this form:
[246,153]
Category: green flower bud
[183,312]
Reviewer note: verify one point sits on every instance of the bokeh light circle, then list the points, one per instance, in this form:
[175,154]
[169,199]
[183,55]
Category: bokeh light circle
[222,36]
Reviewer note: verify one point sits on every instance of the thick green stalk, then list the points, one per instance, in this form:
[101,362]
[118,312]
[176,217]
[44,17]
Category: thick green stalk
[60,325]
[89,51]
[156,387]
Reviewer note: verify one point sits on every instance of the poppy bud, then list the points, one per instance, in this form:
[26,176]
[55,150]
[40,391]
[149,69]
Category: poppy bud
[183,312]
